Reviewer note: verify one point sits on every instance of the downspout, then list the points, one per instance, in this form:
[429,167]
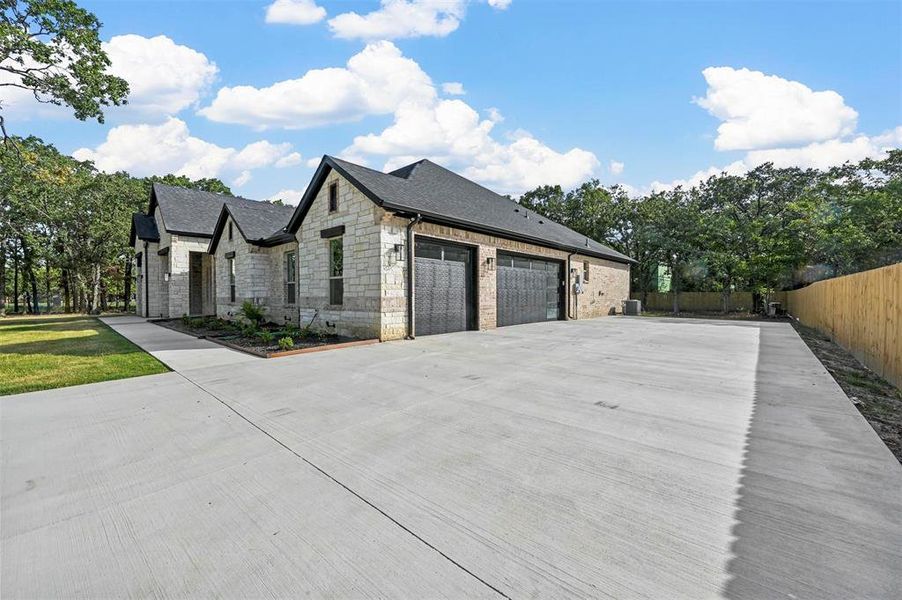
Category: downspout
[411,332]
[570,316]
[146,284]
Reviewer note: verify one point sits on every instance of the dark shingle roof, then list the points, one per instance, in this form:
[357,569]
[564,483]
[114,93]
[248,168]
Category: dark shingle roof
[261,220]
[192,212]
[143,228]
[441,195]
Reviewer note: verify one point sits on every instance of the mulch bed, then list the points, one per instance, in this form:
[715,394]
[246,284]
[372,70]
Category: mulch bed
[221,332]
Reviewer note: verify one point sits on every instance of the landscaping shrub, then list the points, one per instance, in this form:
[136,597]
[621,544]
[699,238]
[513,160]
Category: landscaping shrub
[252,312]
[286,343]
[265,336]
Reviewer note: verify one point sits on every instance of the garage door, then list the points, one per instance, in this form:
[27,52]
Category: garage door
[528,290]
[444,287]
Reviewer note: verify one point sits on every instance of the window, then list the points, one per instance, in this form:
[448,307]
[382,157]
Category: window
[586,271]
[336,271]
[230,230]
[291,269]
[333,197]
[231,280]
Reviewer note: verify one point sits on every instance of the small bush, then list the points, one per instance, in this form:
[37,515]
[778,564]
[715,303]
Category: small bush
[286,343]
[253,313]
[249,329]
[266,337]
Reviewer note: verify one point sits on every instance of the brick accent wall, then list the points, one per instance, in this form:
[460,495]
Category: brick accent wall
[607,287]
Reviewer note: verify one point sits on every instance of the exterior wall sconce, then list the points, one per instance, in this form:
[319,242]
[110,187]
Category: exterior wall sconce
[165,276]
[399,249]
[490,262]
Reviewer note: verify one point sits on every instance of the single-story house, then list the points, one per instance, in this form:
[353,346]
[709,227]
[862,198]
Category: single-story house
[339,260]
[174,273]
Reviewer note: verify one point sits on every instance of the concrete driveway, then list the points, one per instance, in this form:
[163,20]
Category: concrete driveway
[614,458]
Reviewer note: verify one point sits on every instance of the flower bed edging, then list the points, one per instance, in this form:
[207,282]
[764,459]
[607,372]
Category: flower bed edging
[321,348]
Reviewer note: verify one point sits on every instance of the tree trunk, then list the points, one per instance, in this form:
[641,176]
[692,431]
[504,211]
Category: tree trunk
[67,293]
[28,264]
[675,288]
[15,280]
[47,282]
[104,306]
[2,278]
[95,289]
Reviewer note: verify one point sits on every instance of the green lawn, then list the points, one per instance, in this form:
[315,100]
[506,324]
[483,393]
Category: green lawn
[39,353]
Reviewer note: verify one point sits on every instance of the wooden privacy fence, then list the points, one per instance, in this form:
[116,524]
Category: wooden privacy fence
[861,312]
[696,301]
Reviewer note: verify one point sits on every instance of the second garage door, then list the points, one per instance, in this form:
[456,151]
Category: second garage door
[528,289]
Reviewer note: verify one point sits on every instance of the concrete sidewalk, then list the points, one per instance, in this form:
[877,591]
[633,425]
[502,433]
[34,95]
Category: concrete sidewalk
[178,351]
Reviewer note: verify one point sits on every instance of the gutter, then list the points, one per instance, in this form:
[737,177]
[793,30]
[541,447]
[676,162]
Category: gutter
[411,332]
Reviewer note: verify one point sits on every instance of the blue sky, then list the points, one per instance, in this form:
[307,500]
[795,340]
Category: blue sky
[554,92]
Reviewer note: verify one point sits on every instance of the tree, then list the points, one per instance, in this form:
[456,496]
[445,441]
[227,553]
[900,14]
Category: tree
[52,49]
[210,184]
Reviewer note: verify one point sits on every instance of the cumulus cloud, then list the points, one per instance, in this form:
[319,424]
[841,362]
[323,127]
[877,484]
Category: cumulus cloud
[765,111]
[242,178]
[289,160]
[375,81]
[453,88]
[295,12]
[452,133]
[288,196]
[164,78]
[499,4]
[170,148]
[616,167]
[397,19]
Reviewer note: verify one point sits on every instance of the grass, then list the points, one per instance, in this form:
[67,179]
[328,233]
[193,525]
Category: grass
[52,351]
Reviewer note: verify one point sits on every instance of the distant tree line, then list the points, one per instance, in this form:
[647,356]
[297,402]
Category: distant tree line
[766,230]
[64,229]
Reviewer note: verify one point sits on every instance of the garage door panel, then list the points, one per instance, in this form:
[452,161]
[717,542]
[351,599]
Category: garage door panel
[443,276]
[528,290]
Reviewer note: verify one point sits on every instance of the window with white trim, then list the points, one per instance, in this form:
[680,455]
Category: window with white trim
[336,271]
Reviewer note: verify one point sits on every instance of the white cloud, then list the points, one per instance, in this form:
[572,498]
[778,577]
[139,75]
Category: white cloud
[819,155]
[765,111]
[242,178]
[163,77]
[170,148]
[289,160]
[314,162]
[616,167]
[453,88]
[823,155]
[499,4]
[401,19]
[295,12]
[288,196]
[375,81]
[451,132]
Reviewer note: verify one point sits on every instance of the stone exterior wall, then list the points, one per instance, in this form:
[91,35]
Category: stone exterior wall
[278,310]
[608,283]
[179,248]
[252,273]
[360,313]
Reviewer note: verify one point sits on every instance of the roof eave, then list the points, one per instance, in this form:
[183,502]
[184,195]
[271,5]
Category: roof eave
[480,228]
